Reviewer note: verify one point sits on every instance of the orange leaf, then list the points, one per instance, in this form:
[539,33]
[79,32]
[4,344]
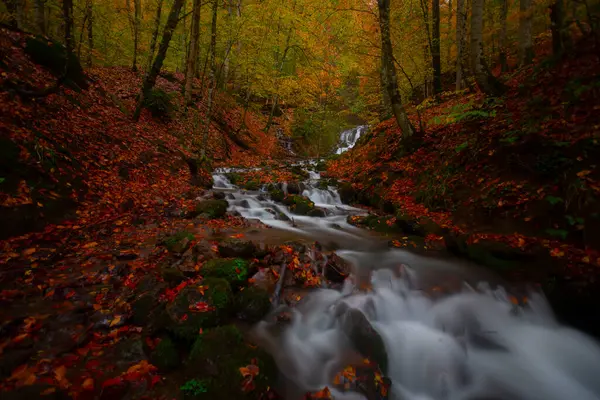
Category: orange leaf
[90,245]
[29,251]
[88,384]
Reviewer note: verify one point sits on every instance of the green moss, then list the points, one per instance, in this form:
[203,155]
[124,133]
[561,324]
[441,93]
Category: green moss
[187,323]
[224,349]
[300,205]
[277,195]
[195,388]
[160,104]
[212,208]
[252,185]
[178,242]
[234,271]
[252,304]
[233,177]
[165,356]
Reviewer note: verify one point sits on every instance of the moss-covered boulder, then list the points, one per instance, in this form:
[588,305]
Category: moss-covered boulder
[233,270]
[317,212]
[212,208]
[299,172]
[347,193]
[384,224]
[233,177]
[252,185]
[277,195]
[199,306]
[300,205]
[165,355]
[237,248]
[295,187]
[409,226]
[215,362]
[178,242]
[252,304]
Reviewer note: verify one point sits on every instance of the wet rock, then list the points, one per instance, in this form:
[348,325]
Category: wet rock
[252,304]
[297,246]
[130,351]
[215,361]
[237,248]
[219,195]
[409,226]
[295,187]
[178,242]
[192,310]
[300,172]
[245,204]
[230,196]
[252,185]
[300,205]
[264,280]
[337,269]
[234,271]
[165,355]
[261,197]
[36,391]
[347,193]
[211,208]
[172,275]
[203,251]
[317,212]
[277,195]
[362,335]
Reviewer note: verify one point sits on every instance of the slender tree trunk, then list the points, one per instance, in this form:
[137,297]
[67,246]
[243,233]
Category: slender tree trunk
[192,58]
[461,33]
[436,57]
[137,6]
[503,36]
[12,7]
[90,32]
[150,78]
[386,104]
[238,52]
[281,65]
[525,40]
[560,35]
[448,36]
[40,16]
[154,39]
[485,80]
[212,80]
[387,62]
[68,21]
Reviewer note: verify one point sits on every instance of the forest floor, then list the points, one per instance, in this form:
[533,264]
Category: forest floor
[121,276]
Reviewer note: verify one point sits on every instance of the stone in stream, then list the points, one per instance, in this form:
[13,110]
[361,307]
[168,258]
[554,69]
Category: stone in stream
[215,361]
[337,269]
[300,205]
[219,195]
[295,187]
[211,208]
[252,304]
[192,309]
[237,248]
[234,271]
[317,212]
[277,195]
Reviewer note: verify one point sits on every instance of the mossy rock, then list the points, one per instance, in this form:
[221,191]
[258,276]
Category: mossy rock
[53,56]
[347,193]
[321,166]
[383,224]
[165,356]
[409,226]
[172,275]
[212,208]
[234,271]
[317,212]
[277,195]
[252,185]
[300,205]
[186,323]
[237,248]
[233,177]
[300,172]
[215,362]
[179,242]
[252,304]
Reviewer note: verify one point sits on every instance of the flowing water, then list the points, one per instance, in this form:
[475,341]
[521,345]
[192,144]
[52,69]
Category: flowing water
[471,343]
[349,138]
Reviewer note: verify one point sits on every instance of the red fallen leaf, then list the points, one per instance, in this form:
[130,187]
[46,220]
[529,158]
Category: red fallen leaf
[113,382]
[322,394]
[88,384]
[154,380]
[200,306]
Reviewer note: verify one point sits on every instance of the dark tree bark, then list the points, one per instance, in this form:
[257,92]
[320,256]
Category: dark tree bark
[11,7]
[436,57]
[387,63]
[525,40]
[281,65]
[40,16]
[560,35]
[68,21]
[192,58]
[136,31]
[154,34]
[503,37]
[90,32]
[212,82]
[461,34]
[486,82]
[150,79]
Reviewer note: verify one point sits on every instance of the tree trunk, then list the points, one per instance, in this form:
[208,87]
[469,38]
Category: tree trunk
[212,80]
[154,34]
[436,57]
[560,35]
[40,16]
[448,39]
[68,21]
[461,33]
[137,5]
[525,41]
[503,38]
[11,7]
[150,78]
[485,80]
[387,62]
[386,104]
[281,65]
[90,32]
[192,58]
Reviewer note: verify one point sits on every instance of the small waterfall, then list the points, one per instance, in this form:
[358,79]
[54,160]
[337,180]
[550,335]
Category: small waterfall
[349,138]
